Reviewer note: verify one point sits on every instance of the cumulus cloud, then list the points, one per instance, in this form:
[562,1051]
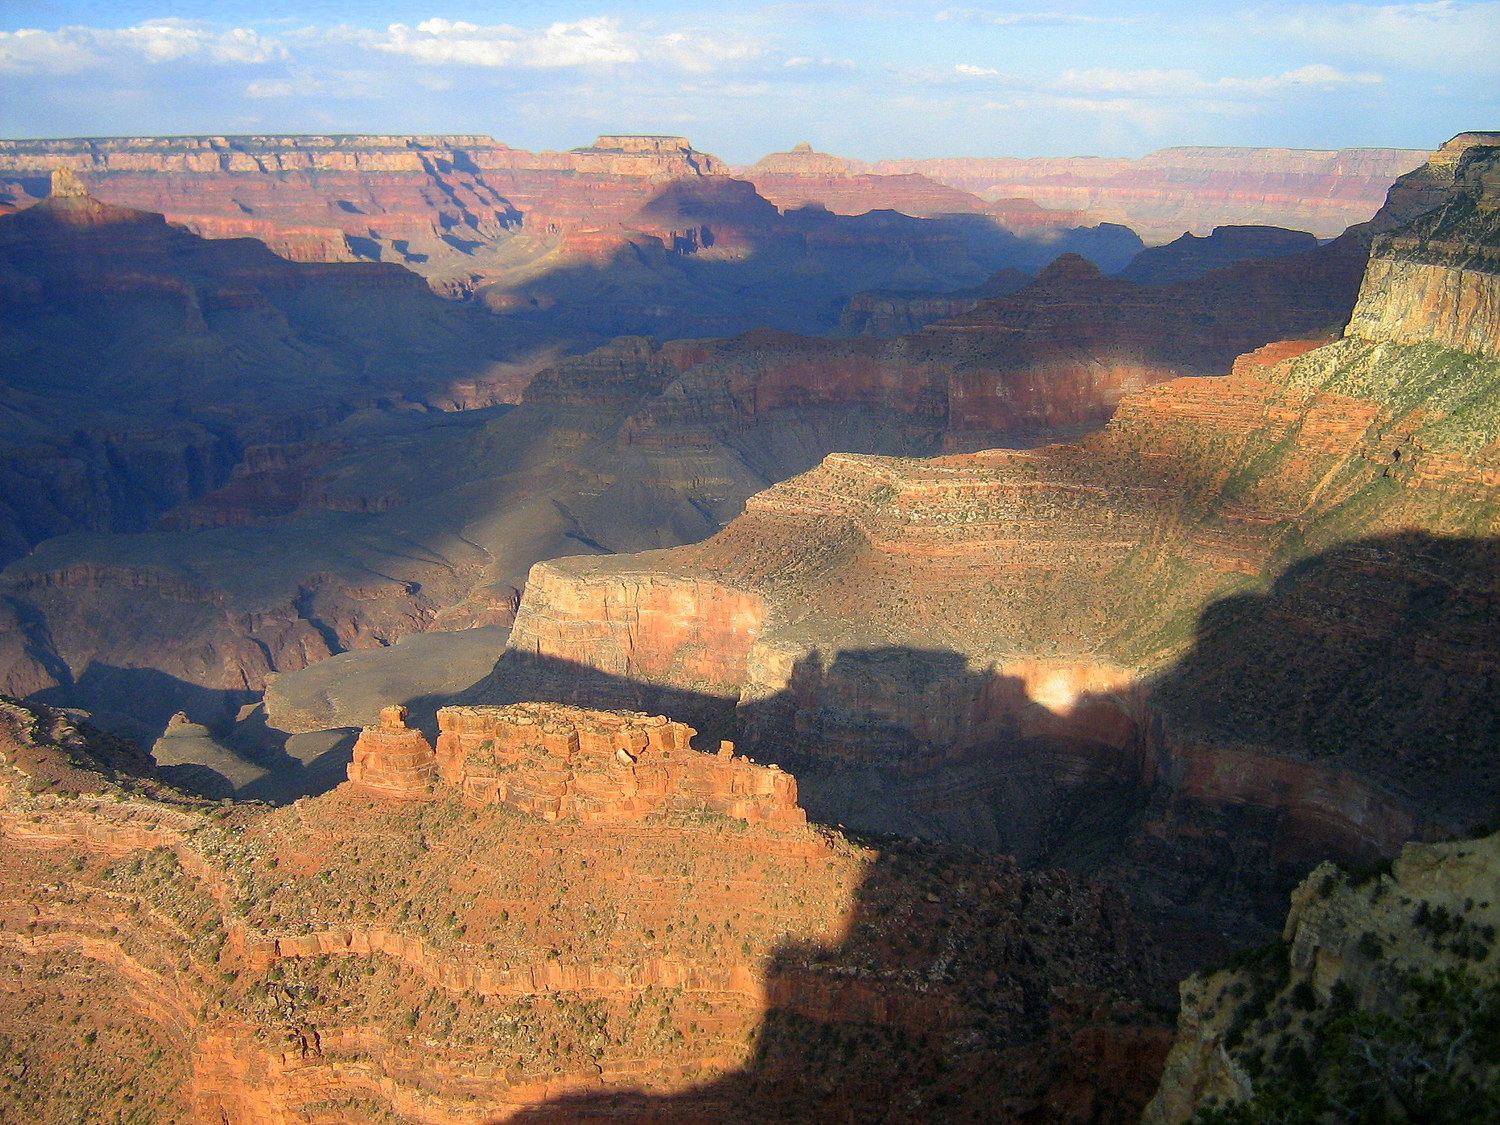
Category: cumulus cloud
[968,70]
[71,49]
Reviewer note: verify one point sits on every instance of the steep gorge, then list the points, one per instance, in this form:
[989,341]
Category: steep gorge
[1248,624]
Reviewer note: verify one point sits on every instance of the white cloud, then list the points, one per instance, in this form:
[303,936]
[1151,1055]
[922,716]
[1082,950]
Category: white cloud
[72,49]
[586,42]
[968,70]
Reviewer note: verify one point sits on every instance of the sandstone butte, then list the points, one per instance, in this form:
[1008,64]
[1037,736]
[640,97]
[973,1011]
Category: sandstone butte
[1248,625]
[1173,190]
[388,522]
[431,955]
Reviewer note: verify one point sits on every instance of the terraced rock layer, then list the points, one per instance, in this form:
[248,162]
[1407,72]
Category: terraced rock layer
[640,235]
[435,961]
[393,523]
[1249,623]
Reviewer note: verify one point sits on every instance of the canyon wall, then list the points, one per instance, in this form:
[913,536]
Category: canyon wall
[1239,603]
[1173,190]
[627,235]
[389,520]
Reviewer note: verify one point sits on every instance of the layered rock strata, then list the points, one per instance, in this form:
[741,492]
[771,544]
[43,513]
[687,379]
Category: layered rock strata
[601,767]
[395,522]
[1190,189]
[392,760]
[627,235]
[446,962]
[149,359]
[1239,604]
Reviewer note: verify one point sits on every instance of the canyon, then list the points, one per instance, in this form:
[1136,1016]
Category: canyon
[392,516]
[1209,638]
[961,687]
[629,235]
[440,957]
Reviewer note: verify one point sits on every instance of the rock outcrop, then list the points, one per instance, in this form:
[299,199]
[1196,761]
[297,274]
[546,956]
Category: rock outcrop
[1190,189]
[392,760]
[445,961]
[1377,1001]
[1232,608]
[600,767]
[1436,280]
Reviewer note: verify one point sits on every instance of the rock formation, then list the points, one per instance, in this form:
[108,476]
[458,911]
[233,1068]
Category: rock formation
[599,767]
[392,760]
[149,359]
[627,235]
[394,522]
[1191,256]
[1378,1002]
[1190,189]
[1067,651]
[443,961]
[802,178]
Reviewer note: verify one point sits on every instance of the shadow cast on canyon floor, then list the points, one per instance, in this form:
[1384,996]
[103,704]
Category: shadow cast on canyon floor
[963,990]
[1377,662]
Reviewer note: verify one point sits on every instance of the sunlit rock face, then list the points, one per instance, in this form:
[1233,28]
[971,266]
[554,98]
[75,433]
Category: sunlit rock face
[1240,602]
[445,957]
[631,234]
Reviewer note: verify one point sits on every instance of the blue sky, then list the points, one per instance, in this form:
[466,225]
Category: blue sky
[883,78]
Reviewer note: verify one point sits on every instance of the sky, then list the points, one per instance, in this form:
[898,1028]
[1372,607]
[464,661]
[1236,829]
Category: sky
[871,80]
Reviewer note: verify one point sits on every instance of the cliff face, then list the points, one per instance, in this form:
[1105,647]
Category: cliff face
[567,763]
[1377,1001]
[147,360]
[628,235]
[1193,189]
[1233,608]
[1435,280]
[393,522]
[446,961]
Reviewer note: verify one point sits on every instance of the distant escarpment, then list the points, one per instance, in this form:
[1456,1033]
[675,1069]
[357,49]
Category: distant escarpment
[1249,624]
[1174,190]
[143,361]
[631,234]
[445,958]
